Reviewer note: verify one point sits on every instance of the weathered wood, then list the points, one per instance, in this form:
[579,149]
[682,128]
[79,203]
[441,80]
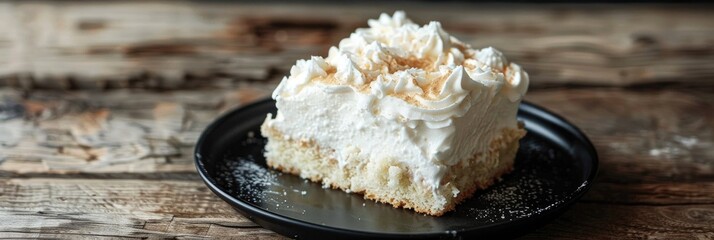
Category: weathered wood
[648,163]
[594,221]
[69,45]
[668,138]
[118,131]
[71,208]
[64,208]
[642,136]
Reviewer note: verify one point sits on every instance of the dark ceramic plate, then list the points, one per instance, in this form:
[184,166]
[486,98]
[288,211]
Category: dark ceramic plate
[554,167]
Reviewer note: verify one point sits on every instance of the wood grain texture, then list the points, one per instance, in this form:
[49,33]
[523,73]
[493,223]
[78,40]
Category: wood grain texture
[68,45]
[101,104]
[595,221]
[188,209]
[663,194]
[70,208]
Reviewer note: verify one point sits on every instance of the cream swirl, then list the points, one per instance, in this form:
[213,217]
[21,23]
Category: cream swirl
[402,56]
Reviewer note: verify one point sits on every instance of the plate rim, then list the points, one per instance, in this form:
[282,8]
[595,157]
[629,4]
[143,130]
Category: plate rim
[265,218]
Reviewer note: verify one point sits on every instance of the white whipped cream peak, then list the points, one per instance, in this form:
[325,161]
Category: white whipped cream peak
[403,56]
[414,82]
[491,58]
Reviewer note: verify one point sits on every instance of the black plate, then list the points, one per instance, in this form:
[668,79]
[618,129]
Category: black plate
[554,167]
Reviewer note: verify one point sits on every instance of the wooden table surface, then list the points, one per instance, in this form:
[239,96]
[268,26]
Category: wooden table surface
[102,102]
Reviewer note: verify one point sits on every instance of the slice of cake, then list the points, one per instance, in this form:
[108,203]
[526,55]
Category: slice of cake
[402,113]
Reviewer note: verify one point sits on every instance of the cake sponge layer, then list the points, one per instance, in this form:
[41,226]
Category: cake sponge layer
[387,180]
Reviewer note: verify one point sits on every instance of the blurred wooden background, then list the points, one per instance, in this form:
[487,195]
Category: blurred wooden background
[101,103]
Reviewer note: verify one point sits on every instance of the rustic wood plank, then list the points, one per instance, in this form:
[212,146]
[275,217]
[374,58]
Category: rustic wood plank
[595,221]
[654,194]
[668,139]
[132,208]
[648,136]
[69,45]
[130,131]
[651,163]
[118,208]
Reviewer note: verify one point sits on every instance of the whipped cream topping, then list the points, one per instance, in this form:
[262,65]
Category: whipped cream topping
[414,85]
